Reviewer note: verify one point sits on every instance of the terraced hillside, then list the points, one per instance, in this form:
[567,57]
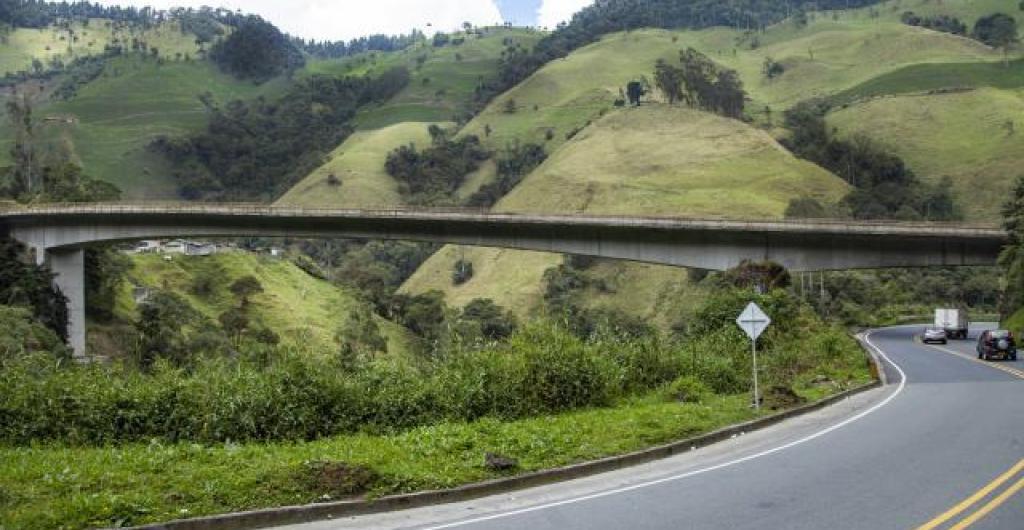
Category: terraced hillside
[652,160]
[304,311]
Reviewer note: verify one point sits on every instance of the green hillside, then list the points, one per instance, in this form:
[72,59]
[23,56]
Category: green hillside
[115,117]
[20,46]
[443,78]
[304,311]
[652,160]
[358,167]
[566,94]
[976,137]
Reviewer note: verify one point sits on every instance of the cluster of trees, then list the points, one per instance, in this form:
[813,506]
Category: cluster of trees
[565,287]
[42,13]
[372,43]
[257,51]
[514,163]
[612,16]
[998,30]
[944,23]
[1012,258]
[884,187]
[257,149]
[25,285]
[432,175]
[700,83]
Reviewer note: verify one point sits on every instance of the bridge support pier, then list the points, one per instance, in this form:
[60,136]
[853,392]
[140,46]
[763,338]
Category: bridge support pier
[69,266]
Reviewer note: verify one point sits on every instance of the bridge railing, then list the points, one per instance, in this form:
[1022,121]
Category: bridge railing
[175,207]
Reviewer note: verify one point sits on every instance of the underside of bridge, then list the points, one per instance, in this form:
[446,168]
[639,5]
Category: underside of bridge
[58,236]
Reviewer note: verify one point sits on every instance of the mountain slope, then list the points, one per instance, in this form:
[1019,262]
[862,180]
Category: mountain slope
[975,137]
[358,166]
[304,311]
[444,78]
[652,160]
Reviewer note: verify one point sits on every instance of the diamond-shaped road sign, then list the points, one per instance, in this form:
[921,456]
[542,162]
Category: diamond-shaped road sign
[753,321]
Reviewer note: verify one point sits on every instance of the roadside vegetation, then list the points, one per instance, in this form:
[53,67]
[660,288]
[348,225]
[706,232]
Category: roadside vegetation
[289,414]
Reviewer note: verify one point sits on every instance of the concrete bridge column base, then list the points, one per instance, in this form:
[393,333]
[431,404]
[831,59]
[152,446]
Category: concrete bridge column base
[69,266]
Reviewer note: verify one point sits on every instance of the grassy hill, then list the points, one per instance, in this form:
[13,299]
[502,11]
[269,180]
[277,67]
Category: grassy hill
[652,160]
[824,58]
[115,117]
[358,165]
[976,137]
[304,311]
[20,46]
[443,78]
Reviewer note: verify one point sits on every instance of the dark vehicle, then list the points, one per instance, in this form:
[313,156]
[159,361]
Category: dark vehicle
[997,344]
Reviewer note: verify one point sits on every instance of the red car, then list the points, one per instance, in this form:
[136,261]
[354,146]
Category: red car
[997,344]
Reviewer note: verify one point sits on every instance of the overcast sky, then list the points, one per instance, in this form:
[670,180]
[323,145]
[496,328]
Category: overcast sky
[347,19]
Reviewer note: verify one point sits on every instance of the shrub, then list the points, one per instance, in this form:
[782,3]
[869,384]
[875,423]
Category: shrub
[463,272]
[687,389]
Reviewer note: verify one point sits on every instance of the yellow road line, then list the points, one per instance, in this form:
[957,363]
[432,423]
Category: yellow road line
[992,505]
[969,501]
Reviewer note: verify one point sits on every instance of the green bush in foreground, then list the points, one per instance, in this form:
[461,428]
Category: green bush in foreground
[540,369]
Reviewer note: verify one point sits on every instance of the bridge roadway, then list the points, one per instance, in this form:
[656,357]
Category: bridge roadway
[58,233]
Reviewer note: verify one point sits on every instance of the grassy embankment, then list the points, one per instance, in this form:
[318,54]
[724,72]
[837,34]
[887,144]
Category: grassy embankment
[303,310]
[49,484]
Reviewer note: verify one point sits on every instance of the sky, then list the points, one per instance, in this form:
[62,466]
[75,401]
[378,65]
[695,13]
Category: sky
[347,19]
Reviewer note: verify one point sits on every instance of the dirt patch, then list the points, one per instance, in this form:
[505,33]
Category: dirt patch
[781,397]
[334,480]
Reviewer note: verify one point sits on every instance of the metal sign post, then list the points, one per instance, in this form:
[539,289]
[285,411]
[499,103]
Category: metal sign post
[753,321]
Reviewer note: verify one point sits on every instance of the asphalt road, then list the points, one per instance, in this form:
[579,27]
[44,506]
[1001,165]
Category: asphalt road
[938,437]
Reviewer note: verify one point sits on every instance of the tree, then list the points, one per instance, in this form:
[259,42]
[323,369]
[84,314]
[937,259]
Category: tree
[998,30]
[669,80]
[772,68]
[245,288]
[24,172]
[234,321]
[359,337]
[256,50]
[494,322]
[462,272]
[1012,257]
[635,91]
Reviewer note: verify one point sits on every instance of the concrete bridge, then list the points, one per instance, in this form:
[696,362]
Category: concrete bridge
[58,235]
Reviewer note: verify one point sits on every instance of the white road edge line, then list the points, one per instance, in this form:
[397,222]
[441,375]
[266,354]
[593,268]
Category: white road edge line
[731,463]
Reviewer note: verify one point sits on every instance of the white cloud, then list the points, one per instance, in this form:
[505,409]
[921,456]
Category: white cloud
[347,19]
[552,12]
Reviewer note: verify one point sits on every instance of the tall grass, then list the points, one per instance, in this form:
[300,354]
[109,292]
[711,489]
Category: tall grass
[541,369]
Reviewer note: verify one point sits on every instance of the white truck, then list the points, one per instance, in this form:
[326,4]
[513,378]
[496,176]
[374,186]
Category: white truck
[953,321]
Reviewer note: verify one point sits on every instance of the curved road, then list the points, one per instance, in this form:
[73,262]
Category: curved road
[945,436]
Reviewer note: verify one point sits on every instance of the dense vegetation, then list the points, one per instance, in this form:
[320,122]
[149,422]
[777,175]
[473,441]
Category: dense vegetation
[257,51]
[258,149]
[944,23]
[700,83]
[284,394]
[1012,258]
[885,188]
[432,175]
